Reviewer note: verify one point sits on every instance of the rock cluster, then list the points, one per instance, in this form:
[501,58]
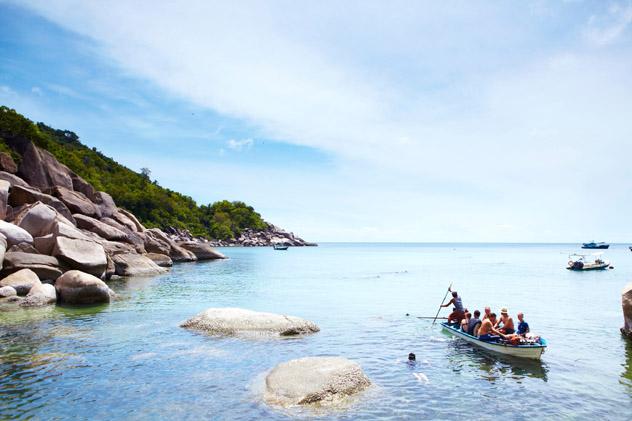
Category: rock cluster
[248,238]
[57,229]
[626,303]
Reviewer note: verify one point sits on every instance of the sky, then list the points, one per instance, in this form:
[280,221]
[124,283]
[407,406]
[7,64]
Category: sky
[462,121]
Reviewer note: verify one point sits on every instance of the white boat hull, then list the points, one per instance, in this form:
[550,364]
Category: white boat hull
[533,352]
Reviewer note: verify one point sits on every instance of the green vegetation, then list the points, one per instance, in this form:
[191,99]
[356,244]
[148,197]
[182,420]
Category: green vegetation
[154,205]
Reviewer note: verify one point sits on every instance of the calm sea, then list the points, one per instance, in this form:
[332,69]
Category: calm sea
[130,360]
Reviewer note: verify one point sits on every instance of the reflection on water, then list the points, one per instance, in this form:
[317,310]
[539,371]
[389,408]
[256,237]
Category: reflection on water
[626,374]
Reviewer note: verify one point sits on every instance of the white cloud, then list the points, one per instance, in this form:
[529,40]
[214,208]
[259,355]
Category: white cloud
[607,28]
[239,145]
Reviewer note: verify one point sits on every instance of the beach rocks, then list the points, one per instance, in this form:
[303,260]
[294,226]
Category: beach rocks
[22,281]
[42,170]
[4,198]
[77,202]
[100,228]
[322,380]
[37,219]
[7,291]
[46,267]
[39,295]
[135,265]
[202,251]
[234,321]
[7,163]
[179,254]
[75,287]
[160,259]
[25,195]
[626,302]
[83,255]
[14,234]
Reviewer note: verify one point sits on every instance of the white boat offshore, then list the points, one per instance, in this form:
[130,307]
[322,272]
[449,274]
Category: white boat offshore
[587,262]
[530,350]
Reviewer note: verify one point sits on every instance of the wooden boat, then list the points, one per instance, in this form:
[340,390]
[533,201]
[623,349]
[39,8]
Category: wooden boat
[280,246]
[531,350]
[586,262]
[593,245]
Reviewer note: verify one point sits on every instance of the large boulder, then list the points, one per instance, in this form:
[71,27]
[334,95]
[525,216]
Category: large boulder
[21,195]
[22,281]
[44,244]
[38,219]
[14,234]
[40,169]
[105,203]
[626,302]
[161,260]
[82,186]
[155,243]
[135,265]
[83,255]
[14,180]
[314,380]
[40,295]
[3,248]
[7,163]
[179,254]
[46,267]
[122,219]
[101,229]
[130,216]
[202,251]
[234,321]
[4,198]
[77,202]
[24,247]
[76,287]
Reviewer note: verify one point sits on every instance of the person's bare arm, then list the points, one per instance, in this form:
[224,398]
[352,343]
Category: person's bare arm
[449,303]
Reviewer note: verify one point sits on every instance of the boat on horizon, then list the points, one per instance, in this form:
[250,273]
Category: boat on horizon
[280,246]
[531,350]
[593,245]
[587,262]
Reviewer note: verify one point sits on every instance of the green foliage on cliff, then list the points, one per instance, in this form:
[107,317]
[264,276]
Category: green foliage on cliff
[154,205]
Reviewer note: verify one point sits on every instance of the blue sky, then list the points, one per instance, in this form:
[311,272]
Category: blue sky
[354,121]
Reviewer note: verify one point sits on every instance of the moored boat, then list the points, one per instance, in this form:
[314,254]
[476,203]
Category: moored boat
[529,350]
[280,246]
[587,262]
[593,245]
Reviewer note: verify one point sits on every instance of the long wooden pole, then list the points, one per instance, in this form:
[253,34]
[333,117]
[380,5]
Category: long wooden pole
[444,297]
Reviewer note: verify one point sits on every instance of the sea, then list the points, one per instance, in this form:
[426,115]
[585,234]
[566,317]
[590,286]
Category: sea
[131,359]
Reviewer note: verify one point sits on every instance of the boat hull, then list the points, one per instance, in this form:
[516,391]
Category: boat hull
[533,352]
[599,247]
[600,266]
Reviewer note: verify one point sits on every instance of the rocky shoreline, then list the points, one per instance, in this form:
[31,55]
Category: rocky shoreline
[58,230]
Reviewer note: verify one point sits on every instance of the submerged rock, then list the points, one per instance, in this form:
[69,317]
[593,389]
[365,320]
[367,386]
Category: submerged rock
[76,287]
[322,380]
[135,265]
[22,281]
[233,321]
[40,295]
[626,302]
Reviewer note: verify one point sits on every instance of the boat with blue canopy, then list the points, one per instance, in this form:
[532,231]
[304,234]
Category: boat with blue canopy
[531,348]
[593,245]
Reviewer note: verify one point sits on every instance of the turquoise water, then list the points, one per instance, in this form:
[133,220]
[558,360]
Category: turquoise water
[130,360]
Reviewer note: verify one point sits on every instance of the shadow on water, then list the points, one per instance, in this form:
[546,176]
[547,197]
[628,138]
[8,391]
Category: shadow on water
[492,366]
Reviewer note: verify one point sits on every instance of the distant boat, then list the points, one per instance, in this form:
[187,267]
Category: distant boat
[630,248]
[587,262]
[593,245]
[280,246]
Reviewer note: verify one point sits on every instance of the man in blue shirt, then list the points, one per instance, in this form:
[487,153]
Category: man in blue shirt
[523,327]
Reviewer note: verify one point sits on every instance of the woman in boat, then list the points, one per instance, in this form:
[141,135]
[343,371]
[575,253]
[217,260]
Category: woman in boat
[458,313]
[465,323]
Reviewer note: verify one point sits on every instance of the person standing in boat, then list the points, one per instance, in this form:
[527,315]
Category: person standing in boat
[458,312]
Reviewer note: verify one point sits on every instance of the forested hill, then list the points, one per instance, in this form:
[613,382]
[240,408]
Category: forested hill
[154,205]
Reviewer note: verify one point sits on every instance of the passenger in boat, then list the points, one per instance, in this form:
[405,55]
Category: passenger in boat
[465,323]
[523,327]
[507,323]
[487,332]
[488,311]
[458,313]
[474,321]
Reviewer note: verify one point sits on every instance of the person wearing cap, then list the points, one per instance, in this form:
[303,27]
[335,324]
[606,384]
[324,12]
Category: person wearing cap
[458,313]
[507,327]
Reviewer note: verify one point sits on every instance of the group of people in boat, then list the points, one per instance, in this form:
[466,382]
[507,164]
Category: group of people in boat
[490,327]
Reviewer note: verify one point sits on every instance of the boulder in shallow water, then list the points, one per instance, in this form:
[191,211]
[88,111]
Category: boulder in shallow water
[76,287]
[22,281]
[14,234]
[179,254]
[46,267]
[161,260]
[83,255]
[626,302]
[7,291]
[234,321]
[311,380]
[202,251]
[40,295]
[135,265]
